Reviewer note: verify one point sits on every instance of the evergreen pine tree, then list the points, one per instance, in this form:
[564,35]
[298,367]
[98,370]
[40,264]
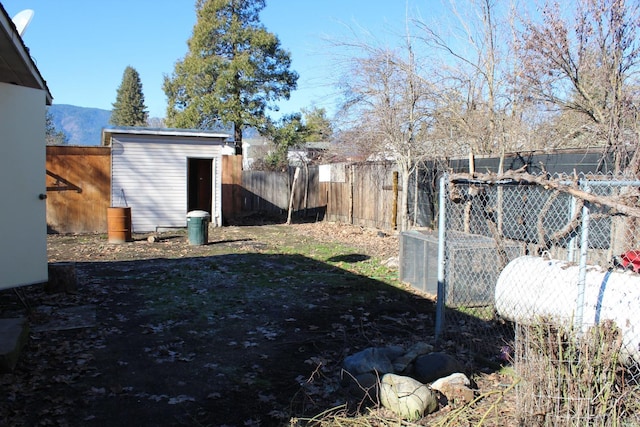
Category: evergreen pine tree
[129,108]
[233,72]
[319,127]
[53,136]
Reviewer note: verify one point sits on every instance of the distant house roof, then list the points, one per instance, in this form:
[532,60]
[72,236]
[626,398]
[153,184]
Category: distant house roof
[316,145]
[16,65]
[107,133]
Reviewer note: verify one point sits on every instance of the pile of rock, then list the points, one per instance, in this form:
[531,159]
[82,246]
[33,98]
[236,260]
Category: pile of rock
[412,383]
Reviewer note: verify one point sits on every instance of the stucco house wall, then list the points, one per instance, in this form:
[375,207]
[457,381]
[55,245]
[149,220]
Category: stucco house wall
[23,99]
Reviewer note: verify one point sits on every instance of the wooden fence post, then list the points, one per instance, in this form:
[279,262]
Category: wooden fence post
[350,194]
[467,206]
[394,212]
[293,191]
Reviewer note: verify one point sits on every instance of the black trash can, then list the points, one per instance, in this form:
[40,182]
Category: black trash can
[198,227]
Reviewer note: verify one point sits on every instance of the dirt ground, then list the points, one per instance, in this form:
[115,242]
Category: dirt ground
[248,330]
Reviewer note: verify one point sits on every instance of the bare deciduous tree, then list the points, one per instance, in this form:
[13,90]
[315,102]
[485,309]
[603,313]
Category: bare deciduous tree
[478,109]
[387,107]
[586,68]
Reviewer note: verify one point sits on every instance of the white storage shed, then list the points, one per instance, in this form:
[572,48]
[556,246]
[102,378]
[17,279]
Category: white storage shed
[23,99]
[162,174]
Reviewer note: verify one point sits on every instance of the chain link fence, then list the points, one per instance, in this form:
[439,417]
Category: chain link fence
[543,274]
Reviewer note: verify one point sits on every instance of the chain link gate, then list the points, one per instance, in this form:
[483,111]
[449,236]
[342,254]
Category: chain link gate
[534,275]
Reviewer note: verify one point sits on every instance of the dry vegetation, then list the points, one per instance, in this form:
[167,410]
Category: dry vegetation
[154,289]
[248,330]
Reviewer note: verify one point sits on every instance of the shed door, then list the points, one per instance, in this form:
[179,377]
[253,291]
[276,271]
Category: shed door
[199,184]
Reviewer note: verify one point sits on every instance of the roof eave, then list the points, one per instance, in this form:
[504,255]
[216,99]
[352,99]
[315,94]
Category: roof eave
[107,133]
[20,64]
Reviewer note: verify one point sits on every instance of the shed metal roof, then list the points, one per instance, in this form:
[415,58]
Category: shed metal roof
[107,133]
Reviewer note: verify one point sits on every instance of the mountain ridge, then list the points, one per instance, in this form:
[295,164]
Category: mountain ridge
[81,125]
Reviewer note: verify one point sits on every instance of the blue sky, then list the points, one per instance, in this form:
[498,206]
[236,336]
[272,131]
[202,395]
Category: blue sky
[82,47]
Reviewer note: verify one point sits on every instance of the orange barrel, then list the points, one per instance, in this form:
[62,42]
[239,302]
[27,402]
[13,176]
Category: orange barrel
[119,224]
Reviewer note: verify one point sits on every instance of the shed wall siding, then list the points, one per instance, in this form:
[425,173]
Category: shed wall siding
[149,174]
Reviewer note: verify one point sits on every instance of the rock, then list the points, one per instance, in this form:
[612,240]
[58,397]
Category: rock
[62,277]
[455,388]
[393,262]
[153,239]
[430,367]
[400,363]
[457,394]
[407,397]
[373,359]
[453,379]
[14,334]
[362,388]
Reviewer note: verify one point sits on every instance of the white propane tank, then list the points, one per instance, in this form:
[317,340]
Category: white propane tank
[530,288]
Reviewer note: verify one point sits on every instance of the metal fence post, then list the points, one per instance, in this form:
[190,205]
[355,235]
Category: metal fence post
[582,271]
[572,242]
[440,301]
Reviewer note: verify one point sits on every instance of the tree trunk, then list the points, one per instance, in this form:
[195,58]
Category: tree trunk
[237,137]
[305,202]
[62,278]
[404,200]
[293,191]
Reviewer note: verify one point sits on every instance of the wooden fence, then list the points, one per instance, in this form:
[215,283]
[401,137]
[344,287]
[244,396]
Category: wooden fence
[78,188]
[78,182]
[231,186]
[270,192]
[362,193]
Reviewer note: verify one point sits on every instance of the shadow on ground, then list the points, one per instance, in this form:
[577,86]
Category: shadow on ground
[231,339]
[219,334]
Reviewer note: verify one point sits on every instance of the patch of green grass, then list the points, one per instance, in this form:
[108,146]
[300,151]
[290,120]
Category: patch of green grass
[231,273]
[479,312]
[322,252]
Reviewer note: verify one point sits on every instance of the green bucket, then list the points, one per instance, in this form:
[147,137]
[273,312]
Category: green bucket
[198,227]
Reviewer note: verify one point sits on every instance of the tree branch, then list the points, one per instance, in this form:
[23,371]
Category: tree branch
[520,176]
